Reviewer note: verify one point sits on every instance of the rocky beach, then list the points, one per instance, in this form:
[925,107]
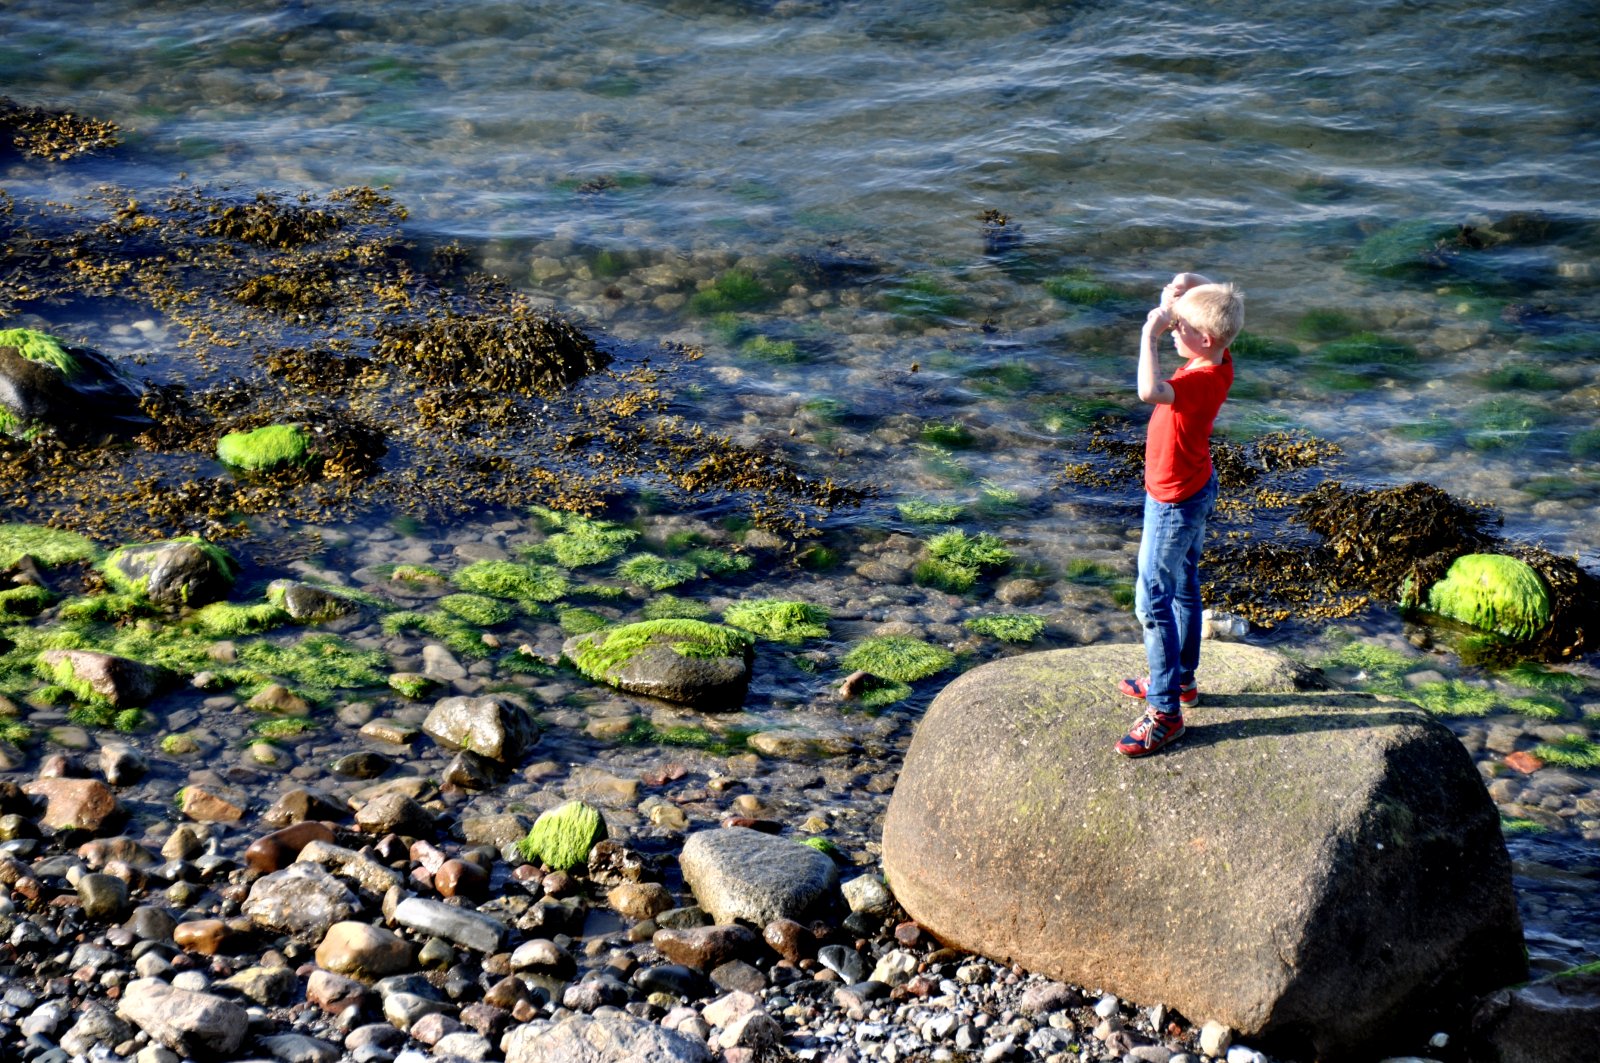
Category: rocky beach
[514,548]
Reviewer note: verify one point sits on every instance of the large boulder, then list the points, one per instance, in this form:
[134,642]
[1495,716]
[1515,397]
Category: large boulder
[743,875]
[1313,869]
[689,662]
[493,726]
[176,572]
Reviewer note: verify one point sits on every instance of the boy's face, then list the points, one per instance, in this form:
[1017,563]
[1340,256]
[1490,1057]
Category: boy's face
[1192,343]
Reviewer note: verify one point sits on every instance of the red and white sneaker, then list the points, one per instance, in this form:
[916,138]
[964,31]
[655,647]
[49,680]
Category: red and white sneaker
[1188,696]
[1152,731]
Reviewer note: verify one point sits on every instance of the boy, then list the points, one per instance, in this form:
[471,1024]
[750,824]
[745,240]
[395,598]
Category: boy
[1180,490]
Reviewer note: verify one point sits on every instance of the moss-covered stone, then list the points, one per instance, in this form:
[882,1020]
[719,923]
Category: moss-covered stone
[48,546]
[686,661]
[1495,593]
[476,609]
[43,348]
[185,571]
[274,446]
[527,582]
[562,837]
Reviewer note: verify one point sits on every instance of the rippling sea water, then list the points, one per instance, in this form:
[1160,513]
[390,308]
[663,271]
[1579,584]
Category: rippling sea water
[613,157]
[1265,145]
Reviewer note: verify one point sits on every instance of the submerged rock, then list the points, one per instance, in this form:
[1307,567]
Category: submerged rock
[74,391]
[1300,866]
[308,604]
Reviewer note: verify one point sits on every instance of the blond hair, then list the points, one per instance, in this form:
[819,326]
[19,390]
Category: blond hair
[1215,309]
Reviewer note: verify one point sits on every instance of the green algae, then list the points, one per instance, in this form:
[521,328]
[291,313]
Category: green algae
[1086,570]
[1007,627]
[1367,349]
[823,846]
[767,349]
[672,607]
[1079,287]
[15,732]
[456,634]
[1320,324]
[318,666]
[1585,445]
[26,600]
[597,658]
[921,511]
[779,620]
[1536,676]
[924,299]
[562,837]
[944,575]
[951,435]
[273,446]
[1538,707]
[411,685]
[1251,347]
[1452,697]
[642,732]
[226,620]
[1570,751]
[1522,826]
[1519,376]
[50,547]
[179,744]
[1502,423]
[523,582]
[733,290]
[1409,250]
[887,692]
[656,573]
[43,348]
[282,727]
[579,541]
[1494,593]
[478,610]
[977,551]
[719,562]
[579,621]
[414,574]
[898,657]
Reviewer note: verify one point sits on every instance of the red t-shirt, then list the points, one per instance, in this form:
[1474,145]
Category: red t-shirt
[1177,448]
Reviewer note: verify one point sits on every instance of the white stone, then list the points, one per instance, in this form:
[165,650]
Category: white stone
[1215,1039]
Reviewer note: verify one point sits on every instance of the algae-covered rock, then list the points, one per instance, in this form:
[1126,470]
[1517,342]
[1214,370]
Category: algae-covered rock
[562,837]
[274,446]
[47,546]
[176,572]
[308,604]
[1315,869]
[72,390]
[686,661]
[103,679]
[1492,592]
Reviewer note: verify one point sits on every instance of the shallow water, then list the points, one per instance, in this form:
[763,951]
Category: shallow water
[615,157]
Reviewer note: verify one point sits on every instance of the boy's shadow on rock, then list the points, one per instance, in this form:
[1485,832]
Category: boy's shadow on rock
[1345,712]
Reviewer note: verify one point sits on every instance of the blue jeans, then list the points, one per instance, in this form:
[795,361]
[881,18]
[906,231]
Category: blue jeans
[1167,594]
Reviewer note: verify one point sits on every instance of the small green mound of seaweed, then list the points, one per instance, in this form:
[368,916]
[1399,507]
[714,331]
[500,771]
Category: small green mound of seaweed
[226,620]
[282,727]
[719,562]
[48,546]
[1519,376]
[779,620]
[579,541]
[1494,593]
[1503,422]
[1536,676]
[977,551]
[656,573]
[477,609]
[1570,751]
[318,666]
[944,575]
[1079,287]
[898,657]
[767,349]
[578,621]
[924,298]
[272,446]
[26,600]
[599,656]
[1252,347]
[642,732]
[952,435]
[1451,697]
[43,348]
[1007,627]
[456,634]
[672,607]
[735,289]
[920,511]
[512,580]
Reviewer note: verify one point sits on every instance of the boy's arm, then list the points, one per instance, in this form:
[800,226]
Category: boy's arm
[1151,389]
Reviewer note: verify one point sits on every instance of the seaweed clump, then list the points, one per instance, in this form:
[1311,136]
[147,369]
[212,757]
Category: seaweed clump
[54,135]
[530,352]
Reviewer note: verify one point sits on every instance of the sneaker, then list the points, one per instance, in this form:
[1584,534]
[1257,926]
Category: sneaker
[1188,696]
[1152,731]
